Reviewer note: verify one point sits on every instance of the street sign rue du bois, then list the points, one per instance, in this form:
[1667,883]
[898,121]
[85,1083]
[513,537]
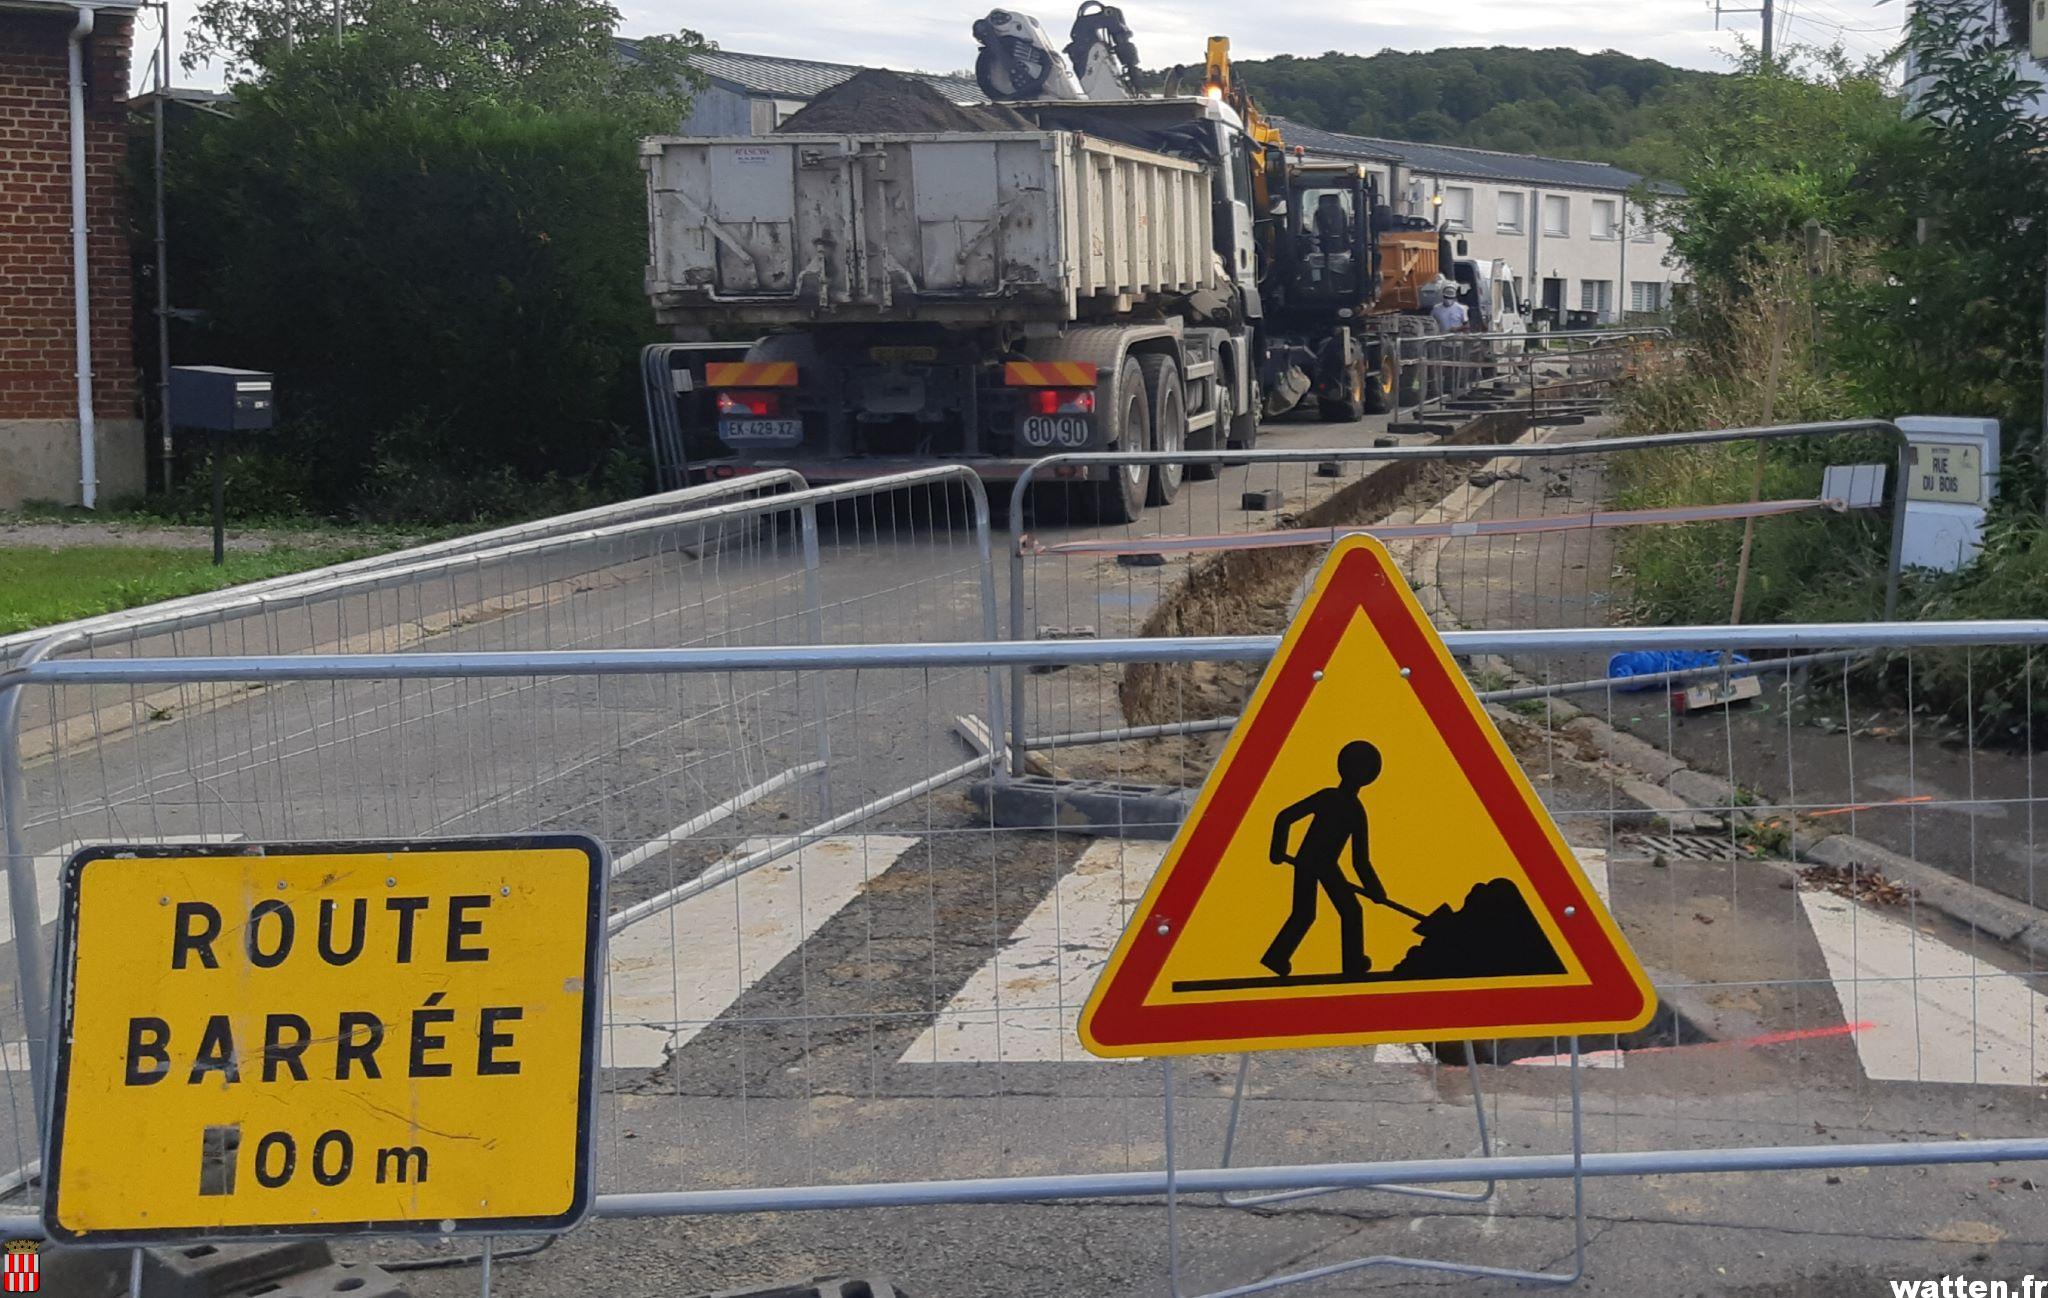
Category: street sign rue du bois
[346,1037]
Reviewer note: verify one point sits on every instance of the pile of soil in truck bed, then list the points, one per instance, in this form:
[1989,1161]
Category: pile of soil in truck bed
[875,100]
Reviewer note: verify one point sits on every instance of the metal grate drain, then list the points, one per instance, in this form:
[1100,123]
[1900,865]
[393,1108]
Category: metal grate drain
[1690,847]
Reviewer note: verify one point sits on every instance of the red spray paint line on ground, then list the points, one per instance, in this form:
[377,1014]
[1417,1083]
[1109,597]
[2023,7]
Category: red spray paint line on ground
[1740,1043]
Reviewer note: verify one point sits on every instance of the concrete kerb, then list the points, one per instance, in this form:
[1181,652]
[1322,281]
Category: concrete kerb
[2023,927]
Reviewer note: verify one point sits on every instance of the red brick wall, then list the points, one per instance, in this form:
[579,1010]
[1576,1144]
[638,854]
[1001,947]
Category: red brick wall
[37,365]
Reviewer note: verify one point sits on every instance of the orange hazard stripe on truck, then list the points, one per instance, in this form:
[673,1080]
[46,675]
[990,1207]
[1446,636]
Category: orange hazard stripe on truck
[750,374]
[1049,374]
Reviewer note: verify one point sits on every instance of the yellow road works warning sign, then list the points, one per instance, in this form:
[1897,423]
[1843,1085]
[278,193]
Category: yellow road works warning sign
[1365,863]
[296,1039]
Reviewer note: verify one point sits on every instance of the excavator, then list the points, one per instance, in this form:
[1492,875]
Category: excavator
[1339,277]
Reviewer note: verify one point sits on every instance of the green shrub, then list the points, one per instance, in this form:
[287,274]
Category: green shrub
[459,291]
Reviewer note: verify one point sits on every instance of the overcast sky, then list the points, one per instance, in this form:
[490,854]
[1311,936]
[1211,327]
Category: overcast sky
[933,36]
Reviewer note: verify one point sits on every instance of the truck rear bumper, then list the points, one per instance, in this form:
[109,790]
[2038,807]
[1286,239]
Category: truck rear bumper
[988,468]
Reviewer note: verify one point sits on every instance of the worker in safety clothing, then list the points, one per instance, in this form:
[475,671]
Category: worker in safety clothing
[1449,313]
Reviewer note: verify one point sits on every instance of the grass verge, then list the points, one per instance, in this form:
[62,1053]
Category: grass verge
[42,587]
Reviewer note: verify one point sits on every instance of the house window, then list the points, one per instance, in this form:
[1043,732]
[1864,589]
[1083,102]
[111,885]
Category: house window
[1604,218]
[1597,296]
[1507,215]
[1639,227]
[1458,207]
[1557,214]
[1646,295]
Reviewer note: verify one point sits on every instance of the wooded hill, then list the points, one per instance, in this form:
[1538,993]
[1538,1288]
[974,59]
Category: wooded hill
[1602,107]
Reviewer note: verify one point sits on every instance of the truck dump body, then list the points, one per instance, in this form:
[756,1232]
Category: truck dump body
[955,227]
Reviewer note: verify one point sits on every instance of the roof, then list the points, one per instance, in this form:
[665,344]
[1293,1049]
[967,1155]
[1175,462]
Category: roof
[1471,164]
[187,96]
[767,74]
[67,6]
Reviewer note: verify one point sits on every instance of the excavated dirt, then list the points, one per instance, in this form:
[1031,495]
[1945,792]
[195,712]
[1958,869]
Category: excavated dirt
[1249,592]
[875,100]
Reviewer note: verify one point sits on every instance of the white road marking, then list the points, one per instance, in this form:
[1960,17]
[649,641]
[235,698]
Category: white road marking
[674,973]
[50,871]
[1936,1014]
[1023,1005]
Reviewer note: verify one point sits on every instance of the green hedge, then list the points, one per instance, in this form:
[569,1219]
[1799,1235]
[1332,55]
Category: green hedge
[452,299]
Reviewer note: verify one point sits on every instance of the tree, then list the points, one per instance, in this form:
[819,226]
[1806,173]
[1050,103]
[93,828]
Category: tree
[1598,106]
[548,54]
[1953,320]
[1763,151]
[432,227]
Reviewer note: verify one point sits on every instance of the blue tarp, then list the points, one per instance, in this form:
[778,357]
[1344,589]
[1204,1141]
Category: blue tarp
[1650,662]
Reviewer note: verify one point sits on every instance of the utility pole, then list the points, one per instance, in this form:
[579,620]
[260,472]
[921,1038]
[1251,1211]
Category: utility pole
[1768,12]
[166,445]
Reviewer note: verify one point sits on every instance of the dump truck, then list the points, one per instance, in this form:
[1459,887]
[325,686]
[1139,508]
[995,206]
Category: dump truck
[983,297]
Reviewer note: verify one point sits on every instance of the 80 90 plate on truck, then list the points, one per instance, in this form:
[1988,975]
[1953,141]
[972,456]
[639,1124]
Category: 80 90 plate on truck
[1067,431]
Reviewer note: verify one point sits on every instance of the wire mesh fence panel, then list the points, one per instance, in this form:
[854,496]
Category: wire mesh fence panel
[674,771]
[1563,376]
[1508,527]
[883,988]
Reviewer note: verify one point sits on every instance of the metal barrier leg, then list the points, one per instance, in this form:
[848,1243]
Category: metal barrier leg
[1571,1277]
[1417,1191]
[991,629]
[1172,1184]
[814,613]
[1895,560]
[31,960]
[1017,673]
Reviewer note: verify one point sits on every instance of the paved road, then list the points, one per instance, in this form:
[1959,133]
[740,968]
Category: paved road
[895,1002]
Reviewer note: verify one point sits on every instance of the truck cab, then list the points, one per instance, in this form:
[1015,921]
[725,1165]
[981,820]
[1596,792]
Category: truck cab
[1487,288]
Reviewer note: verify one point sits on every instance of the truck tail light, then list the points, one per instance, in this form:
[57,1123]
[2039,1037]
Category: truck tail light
[749,403]
[1058,401]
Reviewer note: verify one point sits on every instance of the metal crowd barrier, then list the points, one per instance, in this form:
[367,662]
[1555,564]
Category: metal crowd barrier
[1433,372]
[910,1024]
[1494,535]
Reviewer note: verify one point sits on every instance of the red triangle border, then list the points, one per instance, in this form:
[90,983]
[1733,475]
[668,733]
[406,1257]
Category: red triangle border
[1362,581]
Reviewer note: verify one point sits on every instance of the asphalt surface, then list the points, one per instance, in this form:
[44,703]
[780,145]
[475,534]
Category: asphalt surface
[894,1002]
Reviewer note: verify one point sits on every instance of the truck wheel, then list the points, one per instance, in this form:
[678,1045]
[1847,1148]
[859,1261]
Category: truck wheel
[1122,498]
[1219,432]
[1169,423]
[1379,387]
[1349,407]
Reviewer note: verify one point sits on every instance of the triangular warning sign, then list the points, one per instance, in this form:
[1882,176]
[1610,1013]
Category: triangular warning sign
[1365,863]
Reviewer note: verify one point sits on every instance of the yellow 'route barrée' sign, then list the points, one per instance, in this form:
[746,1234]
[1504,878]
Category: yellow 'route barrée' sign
[310,1039]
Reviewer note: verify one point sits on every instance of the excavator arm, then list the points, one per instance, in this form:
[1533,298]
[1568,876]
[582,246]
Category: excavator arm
[1219,84]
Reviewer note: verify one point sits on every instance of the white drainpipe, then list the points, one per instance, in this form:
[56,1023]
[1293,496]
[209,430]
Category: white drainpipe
[81,279]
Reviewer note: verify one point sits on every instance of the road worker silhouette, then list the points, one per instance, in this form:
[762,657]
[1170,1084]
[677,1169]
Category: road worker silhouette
[1335,819]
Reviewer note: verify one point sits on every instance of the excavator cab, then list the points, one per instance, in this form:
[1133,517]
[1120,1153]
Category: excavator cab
[1324,255]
